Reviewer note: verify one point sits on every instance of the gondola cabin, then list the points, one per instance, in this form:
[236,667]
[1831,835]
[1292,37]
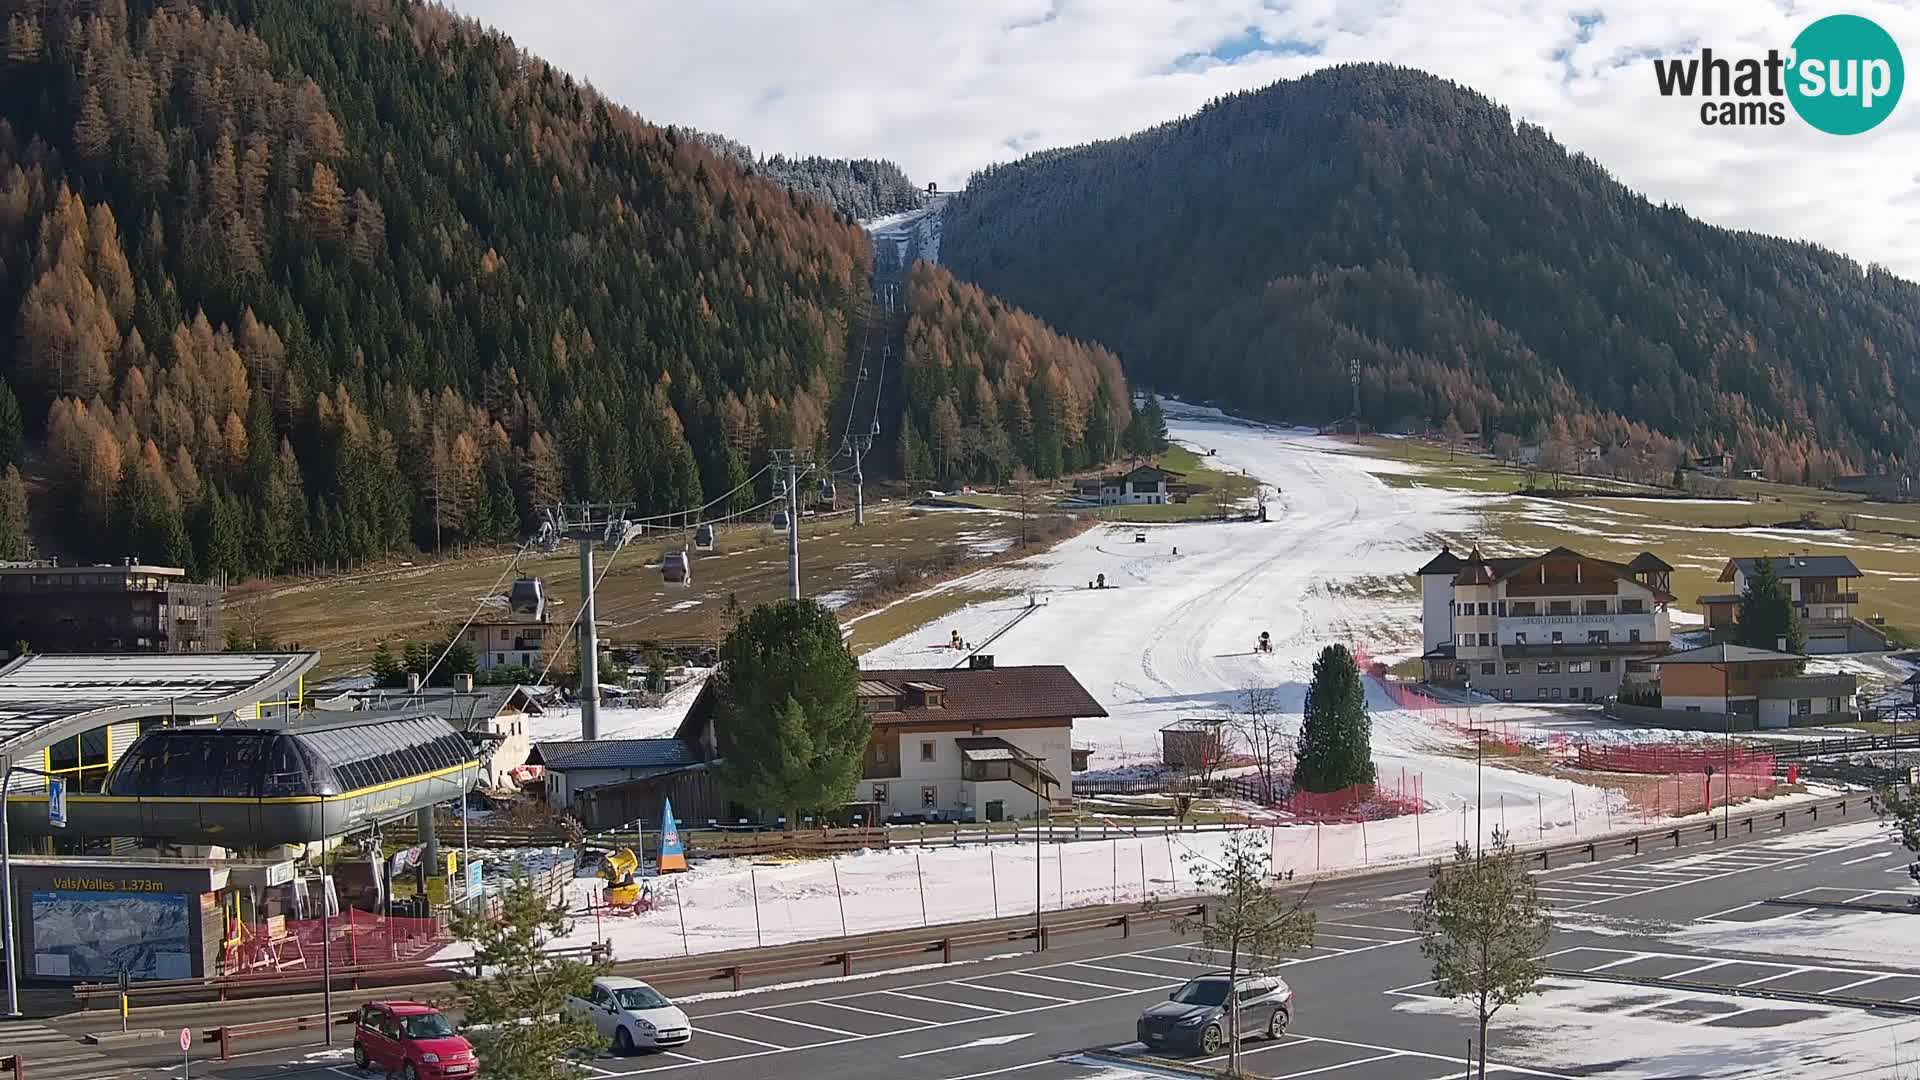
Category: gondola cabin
[703,538]
[778,521]
[826,491]
[676,569]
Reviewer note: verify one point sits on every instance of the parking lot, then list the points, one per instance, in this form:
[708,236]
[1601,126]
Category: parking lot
[728,1033]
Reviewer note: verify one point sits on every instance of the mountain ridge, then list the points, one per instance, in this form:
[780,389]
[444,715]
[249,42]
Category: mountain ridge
[1474,267]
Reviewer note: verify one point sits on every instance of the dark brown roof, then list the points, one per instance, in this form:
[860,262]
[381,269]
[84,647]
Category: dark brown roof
[1036,692]
[1648,562]
[1444,563]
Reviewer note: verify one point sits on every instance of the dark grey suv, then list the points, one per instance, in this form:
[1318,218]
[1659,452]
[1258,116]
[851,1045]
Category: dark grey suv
[1195,1017]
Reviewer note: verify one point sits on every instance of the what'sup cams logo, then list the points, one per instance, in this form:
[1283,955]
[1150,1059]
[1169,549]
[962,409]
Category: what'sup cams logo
[1843,76]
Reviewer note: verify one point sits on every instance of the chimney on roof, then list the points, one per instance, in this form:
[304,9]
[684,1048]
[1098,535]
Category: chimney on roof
[413,682]
[980,662]
[463,682]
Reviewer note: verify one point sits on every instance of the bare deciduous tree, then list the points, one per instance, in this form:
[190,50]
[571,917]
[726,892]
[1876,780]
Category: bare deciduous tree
[1256,716]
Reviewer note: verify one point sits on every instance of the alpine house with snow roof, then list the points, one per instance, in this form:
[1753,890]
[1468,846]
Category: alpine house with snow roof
[1558,626]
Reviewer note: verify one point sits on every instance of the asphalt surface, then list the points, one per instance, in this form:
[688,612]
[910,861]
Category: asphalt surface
[1069,1012]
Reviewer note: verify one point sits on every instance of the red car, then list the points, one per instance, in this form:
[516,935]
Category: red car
[417,1041]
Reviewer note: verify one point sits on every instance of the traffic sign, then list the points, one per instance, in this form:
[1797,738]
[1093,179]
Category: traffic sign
[56,802]
[186,1039]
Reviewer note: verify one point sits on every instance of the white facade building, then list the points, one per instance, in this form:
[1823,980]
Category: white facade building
[1560,626]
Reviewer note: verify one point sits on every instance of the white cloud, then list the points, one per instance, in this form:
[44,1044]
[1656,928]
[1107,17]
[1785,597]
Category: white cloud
[947,86]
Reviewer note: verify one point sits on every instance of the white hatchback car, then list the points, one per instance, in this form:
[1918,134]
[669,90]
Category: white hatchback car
[632,1015]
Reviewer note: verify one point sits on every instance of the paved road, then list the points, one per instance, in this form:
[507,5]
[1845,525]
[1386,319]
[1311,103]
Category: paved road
[1364,1011]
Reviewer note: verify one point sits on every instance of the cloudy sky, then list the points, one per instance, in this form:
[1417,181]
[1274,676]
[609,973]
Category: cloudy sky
[946,86]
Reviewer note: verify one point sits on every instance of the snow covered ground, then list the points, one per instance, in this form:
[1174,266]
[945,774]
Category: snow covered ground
[1171,637]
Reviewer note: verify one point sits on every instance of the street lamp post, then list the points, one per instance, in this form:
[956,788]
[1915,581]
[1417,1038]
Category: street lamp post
[8,937]
[1479,742]
[6,887]
[326,927]
[1039,939]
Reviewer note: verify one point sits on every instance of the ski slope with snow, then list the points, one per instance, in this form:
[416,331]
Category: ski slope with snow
[1173,634]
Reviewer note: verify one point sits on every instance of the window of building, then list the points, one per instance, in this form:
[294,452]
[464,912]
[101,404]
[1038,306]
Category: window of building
[1833,704]
[1513,667]
[1554,693]
[1483,640]
[1596,607]
[879,753]
[1520,637]
[1579,667]
[929,796]
[1606,666]
[1459,671]
[505,635]
[1559,607]
[1486,669]
[1693,708]
[926,750]
[1639,667]
[880,794]
[1598,637]
[1547,667]
[1633,635]
[1633,607]
[1803,707]
[1506,694]
[1525,607]
[1558,637]
[1466,639]
[1500,608]
[1483,608]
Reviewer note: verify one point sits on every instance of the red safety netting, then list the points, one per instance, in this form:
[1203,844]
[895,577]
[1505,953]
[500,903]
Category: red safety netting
[357,938]
[1383,798]
[1667,779]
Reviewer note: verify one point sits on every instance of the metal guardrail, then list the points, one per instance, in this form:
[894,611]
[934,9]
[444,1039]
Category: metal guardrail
[843,958]
[345,977]
[1801,749]
[813,955]
[1712,829]
[228,1034]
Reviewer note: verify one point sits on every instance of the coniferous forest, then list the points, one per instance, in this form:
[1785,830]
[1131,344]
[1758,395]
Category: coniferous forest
[1471,266]
[298,281]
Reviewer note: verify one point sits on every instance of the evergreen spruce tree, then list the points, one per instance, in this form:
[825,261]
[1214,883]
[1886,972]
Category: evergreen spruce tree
[1335,748]
[387,669]
[516,1008]
[1767,615]
[13,514]
[13,430]
[790,727]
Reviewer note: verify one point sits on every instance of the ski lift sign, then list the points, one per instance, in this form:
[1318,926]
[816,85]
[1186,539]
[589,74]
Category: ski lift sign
[56,802]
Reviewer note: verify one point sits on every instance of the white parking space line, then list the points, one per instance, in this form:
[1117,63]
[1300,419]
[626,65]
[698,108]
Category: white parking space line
[1128,971]
[1709,966]
[1294,1039]
[869,1012]
[1869,858]
[1171,960]
[1636,957]
[1396,930]
[1319,933]
[1776,975]
[1333,1068]
[944,1001]
[671,1054]
[1001,1071]
[972,983]
[1856,982]
[799,1023]
[712,1034]
[1074,982]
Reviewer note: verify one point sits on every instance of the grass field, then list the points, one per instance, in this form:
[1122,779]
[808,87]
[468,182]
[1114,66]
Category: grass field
[1695,537]
[346,617]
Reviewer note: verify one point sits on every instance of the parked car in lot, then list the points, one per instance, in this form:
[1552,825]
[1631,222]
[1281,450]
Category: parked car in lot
[632,1015]
[415,1041]
[1195,1017]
